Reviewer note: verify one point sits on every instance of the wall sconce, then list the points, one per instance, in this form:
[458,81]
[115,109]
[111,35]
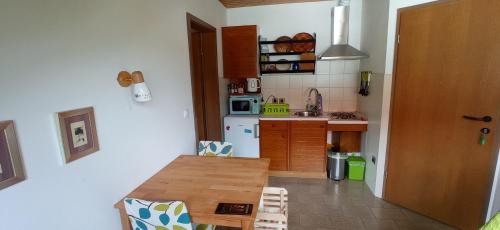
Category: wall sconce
[140,90]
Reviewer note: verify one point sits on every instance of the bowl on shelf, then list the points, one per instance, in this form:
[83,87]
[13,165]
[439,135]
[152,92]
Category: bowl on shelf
[283,47]
[284,66]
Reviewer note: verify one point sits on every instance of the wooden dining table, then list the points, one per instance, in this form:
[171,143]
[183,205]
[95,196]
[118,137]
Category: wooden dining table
[203,183]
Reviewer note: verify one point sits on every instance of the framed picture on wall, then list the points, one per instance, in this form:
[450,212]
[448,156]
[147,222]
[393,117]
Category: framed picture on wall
[11,166]
[78,133]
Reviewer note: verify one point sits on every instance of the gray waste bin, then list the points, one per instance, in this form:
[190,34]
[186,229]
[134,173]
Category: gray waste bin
[336,165]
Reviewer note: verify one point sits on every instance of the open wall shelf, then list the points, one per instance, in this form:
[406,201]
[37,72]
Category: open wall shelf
[266,62]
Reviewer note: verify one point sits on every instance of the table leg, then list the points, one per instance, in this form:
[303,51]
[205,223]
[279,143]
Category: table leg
[247,225]
[124,220]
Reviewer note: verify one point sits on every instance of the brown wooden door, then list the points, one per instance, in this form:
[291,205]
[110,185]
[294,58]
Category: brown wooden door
[274,143]
[308,146]
[447,66]
[204,79]
[239,51]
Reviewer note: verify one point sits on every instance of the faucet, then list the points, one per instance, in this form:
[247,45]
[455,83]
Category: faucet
[317,106]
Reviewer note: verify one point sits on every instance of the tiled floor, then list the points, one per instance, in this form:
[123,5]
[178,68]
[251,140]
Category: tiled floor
[320,204]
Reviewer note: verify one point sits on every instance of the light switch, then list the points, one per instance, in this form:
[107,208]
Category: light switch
[185,114]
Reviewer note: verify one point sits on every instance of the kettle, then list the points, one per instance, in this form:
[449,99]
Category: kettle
[253,85]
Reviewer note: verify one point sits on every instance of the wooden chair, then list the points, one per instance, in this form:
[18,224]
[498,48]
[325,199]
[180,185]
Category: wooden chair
[215,149]
[148,215]
[274,214]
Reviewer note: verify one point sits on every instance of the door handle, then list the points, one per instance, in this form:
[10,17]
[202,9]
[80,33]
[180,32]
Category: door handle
[483,119]
[256,133]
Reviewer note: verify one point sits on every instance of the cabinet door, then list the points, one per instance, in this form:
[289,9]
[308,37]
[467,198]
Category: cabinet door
[308,146]
[239,51]
[274,143]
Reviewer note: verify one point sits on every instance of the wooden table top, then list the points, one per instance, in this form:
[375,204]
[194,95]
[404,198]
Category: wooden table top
[204,182]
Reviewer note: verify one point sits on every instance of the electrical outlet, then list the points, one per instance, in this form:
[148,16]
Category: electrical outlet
[374,160]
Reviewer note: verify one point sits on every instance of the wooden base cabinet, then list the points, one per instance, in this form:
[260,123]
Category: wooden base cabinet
[274,143]
[308,146]
[298,146]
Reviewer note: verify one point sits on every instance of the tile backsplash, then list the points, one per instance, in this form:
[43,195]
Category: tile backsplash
[337,81]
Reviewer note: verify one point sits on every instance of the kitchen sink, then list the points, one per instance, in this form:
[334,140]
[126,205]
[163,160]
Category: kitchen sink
[307,114]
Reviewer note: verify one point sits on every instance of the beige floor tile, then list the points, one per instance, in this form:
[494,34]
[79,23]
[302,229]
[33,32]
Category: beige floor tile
[375,224]
[320,204]
[389,213]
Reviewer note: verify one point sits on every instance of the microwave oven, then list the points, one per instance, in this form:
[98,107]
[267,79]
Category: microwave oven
[244,105]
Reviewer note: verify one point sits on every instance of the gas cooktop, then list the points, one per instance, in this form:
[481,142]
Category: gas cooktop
[345,116]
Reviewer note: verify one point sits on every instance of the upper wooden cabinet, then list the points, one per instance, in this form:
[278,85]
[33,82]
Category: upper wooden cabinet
[239,51]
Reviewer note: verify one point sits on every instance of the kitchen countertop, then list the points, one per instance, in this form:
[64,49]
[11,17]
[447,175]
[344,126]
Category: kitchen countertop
[324,117]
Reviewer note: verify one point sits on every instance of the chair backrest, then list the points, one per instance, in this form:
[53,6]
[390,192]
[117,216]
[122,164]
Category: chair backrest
[275,199]
[274,214]
[148,215]
[215,148]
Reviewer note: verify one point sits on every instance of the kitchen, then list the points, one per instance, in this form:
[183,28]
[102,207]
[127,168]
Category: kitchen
[298,100]
[418,105]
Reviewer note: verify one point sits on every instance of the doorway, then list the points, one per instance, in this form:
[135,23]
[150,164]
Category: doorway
[440,163]
[202,39]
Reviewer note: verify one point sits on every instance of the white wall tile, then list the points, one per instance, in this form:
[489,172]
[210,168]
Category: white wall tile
[322,67]
[336,81]
[349,106]
[336,67]
[323,81]
[268,82]
[350,80]
[282,93]
[339,88]
[350,94]
[282,82]
[351,66]
[308,81]
[267,92]
[296,82]
[335,107]
[296,99]
[336,94]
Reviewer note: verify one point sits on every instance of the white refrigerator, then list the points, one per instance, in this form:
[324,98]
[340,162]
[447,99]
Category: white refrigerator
[243,132]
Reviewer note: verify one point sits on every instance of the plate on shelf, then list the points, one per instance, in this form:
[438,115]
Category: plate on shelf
[283,67]
[283,47]
[303,47]
[306,57]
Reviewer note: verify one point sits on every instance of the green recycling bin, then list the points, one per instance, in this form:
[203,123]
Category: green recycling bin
[356,168]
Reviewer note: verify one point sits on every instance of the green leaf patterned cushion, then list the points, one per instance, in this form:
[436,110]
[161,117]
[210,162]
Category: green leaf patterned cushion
[147,215]
[215,148]
[204,227]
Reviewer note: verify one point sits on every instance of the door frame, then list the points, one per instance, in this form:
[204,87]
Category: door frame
[496,151]
[196,24]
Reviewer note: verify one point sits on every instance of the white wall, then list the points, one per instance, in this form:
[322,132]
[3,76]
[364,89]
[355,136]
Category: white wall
[337,81]
[374,42]
[59,55]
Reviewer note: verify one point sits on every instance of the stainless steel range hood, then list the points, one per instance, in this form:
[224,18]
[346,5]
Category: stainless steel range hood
[340,49]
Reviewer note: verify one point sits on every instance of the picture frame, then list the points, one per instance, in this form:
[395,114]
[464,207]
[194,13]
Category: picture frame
[11,165]
[78,133]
